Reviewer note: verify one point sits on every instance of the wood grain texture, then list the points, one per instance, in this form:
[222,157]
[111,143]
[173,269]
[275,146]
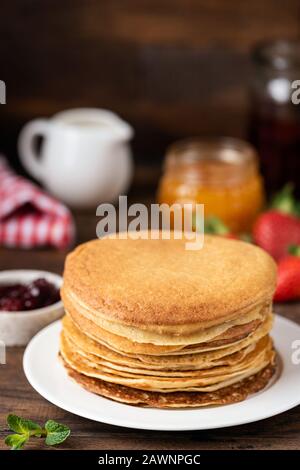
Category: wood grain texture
[17,396]
[173,68]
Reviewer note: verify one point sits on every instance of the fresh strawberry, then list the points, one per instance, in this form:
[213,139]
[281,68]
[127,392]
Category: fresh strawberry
[279,227]
[274,232]
[288,279]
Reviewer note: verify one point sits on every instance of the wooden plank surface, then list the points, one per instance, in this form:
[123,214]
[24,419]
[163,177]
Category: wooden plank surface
[17,396]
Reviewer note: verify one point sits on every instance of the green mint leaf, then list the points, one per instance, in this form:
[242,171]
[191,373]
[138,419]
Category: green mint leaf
[22,426]
[56,433]
[16,441]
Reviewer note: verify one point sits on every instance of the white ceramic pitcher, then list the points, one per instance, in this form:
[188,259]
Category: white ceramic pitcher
[85,157]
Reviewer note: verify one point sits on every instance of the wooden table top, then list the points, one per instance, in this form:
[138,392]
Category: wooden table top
[17,396]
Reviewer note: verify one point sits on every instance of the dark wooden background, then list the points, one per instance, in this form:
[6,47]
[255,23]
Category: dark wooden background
[172,68]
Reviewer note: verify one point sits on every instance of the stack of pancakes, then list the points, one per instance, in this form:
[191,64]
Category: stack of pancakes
[150,323]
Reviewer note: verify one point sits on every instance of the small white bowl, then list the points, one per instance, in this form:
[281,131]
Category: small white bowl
[17,328]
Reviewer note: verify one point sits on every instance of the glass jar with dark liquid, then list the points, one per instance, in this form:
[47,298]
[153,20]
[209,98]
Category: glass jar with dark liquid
[275,120]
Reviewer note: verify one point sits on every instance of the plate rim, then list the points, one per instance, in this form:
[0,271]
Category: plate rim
[133,424]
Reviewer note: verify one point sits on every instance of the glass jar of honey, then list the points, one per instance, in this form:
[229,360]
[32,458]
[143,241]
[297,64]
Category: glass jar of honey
[220,173]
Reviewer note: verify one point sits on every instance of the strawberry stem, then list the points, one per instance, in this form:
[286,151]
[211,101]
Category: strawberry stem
[284,200]
[214,225]
[294,250]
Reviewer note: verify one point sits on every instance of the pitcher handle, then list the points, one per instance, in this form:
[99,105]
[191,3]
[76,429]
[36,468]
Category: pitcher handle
[28,155]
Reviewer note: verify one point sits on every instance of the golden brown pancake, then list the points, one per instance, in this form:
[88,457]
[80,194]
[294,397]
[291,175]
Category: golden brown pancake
[152,324]
[159,286]
[179,362]
[225,330]
[206,379]
[224,396]
[123,344]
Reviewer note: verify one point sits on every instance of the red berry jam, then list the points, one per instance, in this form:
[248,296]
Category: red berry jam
[37,294]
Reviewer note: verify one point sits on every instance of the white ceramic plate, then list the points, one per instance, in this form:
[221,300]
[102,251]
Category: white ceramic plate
[46,374]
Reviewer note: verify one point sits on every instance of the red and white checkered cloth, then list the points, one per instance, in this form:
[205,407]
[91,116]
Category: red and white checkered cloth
[28,217]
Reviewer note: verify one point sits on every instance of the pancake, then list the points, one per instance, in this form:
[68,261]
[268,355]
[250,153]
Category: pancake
[160,287]
[233,362]
[207,379]
[226,330]
[120,343]
[224,396]
[152,324]
[179,362]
